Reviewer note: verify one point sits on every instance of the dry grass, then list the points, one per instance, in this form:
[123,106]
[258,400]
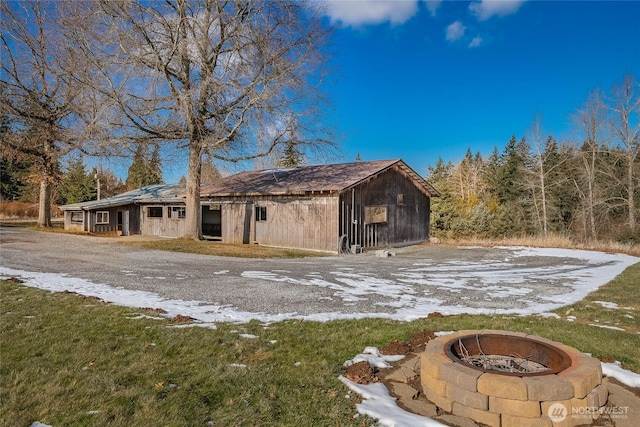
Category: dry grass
[23,210]
[222,249]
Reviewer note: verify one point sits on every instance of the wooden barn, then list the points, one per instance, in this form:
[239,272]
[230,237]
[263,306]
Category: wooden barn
[351,206]
[156,210]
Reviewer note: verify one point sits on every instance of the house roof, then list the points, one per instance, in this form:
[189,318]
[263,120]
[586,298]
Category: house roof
[309,179]
[160,193]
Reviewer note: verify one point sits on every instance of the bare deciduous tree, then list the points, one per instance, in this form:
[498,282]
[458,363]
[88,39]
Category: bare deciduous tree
[626,128]
[591,123]
[210,76]
[49,111]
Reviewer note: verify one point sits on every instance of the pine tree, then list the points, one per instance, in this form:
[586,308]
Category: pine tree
[145,169]
[209,172]
[291,156]
[76,185]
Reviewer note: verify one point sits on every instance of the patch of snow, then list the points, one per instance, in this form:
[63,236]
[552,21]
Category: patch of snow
[248,336]
[548,315]
[615,328]
[374,357]
[237,365]
[39,424]
[194,325]
[297,364]
[145,316]
[571,318]
[616,371]
[378,403]
[607,304]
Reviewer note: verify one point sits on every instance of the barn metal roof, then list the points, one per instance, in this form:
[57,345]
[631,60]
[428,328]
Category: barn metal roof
[160,193]
[309,180]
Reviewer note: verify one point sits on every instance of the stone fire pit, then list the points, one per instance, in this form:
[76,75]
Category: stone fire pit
[514,379]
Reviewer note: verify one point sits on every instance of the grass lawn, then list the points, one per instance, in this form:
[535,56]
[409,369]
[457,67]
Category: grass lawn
[72,360]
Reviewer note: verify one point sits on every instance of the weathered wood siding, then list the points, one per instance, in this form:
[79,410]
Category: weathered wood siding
[75,226]
[306,223]
[407,211]
[161,226]
[293,222]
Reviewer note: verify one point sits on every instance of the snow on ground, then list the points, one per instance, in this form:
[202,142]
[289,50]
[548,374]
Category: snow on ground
[581,272]
[508,286]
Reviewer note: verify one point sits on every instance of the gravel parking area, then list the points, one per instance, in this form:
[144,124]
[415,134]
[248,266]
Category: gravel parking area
[416,281]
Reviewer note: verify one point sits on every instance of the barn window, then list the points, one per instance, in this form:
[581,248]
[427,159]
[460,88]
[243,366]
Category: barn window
[154,212]
[77,217]
[375,214]
[261,213]
[400,199]
[102,217]
[178,212]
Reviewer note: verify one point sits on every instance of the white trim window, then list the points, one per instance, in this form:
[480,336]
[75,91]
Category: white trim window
[102,217]
[178,212]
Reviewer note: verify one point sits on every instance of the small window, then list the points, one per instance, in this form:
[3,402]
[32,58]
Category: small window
[77,217]
[261,213]
[400,198]
[154,212]
[178,212]
[102,217]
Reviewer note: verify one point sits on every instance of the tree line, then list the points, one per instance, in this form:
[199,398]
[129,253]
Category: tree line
[585,187]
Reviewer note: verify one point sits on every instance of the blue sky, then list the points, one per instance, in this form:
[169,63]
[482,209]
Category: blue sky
[419,79]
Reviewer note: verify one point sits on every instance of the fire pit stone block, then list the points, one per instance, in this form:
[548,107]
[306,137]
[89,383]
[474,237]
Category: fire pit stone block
[551,387]
[461,376]
[502,386]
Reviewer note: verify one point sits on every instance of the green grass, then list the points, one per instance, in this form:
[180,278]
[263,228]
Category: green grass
[64,356]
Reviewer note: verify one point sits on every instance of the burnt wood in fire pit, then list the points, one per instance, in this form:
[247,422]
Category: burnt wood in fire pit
[495,353]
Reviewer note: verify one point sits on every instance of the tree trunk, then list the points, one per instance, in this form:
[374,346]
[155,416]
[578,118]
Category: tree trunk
[44,203]
[193,214]
[631,203]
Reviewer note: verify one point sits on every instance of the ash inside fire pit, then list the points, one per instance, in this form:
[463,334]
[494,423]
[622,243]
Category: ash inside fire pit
[511,364]
[507,355]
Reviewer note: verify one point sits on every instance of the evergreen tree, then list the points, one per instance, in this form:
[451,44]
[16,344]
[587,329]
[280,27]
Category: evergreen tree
[444,211]
[146,167]
[209,172]
[13,179]
[291,156]
[76,185]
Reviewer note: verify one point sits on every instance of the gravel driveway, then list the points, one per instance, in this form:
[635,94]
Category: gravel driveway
[416,281]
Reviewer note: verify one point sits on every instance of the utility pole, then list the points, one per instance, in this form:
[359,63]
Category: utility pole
[95,175]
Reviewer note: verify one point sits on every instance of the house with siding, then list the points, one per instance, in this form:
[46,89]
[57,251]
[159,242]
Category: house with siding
[156,210]
[334,208]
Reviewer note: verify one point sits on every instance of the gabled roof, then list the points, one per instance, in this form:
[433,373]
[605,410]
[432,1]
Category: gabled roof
[308,179]
[160,193]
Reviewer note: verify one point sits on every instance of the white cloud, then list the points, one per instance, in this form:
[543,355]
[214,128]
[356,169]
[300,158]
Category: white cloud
[485,9]
[362,12]
[477,41]
[433,5]
[455,31]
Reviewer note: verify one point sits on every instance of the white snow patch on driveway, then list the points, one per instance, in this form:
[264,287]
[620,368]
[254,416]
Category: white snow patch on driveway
[474,287]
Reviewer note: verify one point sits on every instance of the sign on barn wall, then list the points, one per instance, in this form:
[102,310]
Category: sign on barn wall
[375,214]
